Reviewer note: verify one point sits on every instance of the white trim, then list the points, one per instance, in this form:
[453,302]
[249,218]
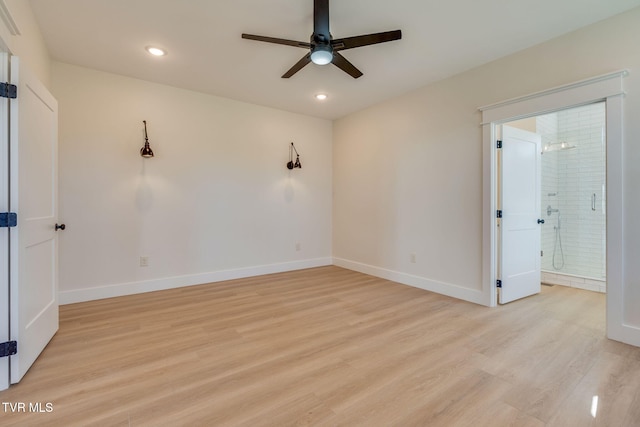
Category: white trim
[455,291]
[608,88]
[7,19]
[616,327]
[131,288]
[558,98]
[4,232]
[557,89]
[489,185]
[625,333]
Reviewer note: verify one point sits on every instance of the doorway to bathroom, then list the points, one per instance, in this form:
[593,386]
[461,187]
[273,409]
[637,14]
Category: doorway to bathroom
[610,89]
[572,195]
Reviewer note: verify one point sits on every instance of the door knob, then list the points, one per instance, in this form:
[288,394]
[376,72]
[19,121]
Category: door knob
[60,227]
[540,221]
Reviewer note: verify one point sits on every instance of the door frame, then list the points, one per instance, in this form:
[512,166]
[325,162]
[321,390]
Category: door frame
[607,88]
[4,207]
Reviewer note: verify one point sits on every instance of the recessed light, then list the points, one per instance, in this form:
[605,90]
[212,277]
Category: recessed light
[321,96]
[156,51]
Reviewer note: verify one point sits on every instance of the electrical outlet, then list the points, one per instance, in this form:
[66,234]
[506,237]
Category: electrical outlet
[412,258]
[144,261]
[298,247]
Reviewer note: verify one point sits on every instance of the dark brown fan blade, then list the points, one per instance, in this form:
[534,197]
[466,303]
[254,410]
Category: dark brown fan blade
[346,66]
[276,41]
[298,66]
[366,40]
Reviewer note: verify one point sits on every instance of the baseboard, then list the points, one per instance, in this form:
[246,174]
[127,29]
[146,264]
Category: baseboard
[455,291]
[131,288]
[625,333]
[122,289]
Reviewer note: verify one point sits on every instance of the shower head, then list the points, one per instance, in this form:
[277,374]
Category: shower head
[559,146]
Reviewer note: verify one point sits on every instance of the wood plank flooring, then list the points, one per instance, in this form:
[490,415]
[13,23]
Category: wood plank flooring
[330,347]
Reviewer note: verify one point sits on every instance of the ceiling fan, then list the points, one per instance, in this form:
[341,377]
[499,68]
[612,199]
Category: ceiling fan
[323,49]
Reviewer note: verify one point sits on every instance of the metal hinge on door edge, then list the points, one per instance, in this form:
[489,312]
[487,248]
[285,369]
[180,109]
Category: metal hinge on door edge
[8,348]
[7,90]
[498,283]
[8,219]
[498,144]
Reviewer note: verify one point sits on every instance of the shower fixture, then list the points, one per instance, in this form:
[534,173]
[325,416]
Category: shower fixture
[557,244]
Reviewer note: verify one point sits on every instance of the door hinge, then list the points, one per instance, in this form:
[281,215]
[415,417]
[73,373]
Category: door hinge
[7,90]
[498,144]
[8,219]
[8,348]
[499,213]
[498,283]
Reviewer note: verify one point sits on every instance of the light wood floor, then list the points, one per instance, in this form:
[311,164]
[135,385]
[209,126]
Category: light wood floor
[328,347]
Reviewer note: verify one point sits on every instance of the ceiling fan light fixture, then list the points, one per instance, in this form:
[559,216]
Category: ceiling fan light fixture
[323,48]
[322,55]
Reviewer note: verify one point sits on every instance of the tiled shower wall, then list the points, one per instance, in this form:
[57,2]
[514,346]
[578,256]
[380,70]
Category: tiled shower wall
[573,181]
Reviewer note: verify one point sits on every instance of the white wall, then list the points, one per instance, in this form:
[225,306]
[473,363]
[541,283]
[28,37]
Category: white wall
[403,174]
[408,172]
[28,44]
[216,202]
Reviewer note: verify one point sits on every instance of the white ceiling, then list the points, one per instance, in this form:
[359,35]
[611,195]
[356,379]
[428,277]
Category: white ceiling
[206,53]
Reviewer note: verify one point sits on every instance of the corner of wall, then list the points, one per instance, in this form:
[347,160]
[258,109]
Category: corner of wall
[448,289]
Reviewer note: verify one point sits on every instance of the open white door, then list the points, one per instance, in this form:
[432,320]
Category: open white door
[520,230]
[33,196]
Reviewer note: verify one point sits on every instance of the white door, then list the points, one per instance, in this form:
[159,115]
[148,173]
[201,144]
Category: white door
[520,230]
[33,196]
